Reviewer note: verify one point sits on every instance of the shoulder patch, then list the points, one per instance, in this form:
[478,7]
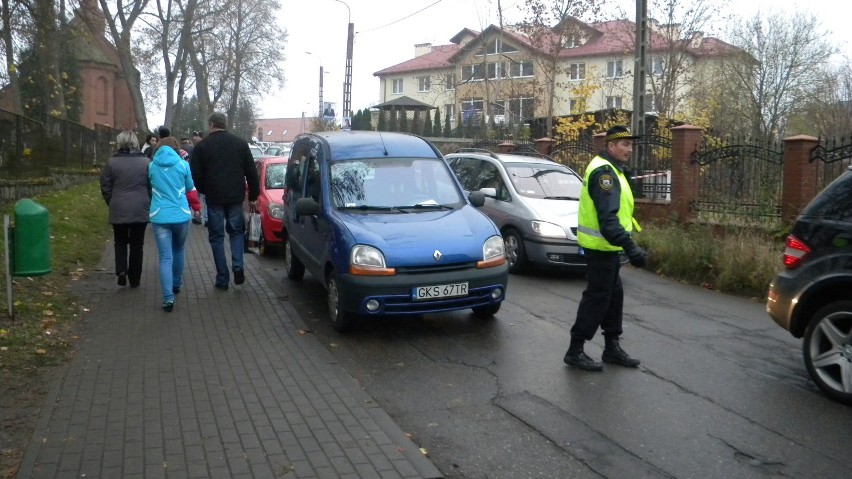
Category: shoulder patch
[606,181]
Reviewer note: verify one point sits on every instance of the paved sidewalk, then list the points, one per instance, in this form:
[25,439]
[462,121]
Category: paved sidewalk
[222,387]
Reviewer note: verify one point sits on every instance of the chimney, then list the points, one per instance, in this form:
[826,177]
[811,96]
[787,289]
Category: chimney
[695,39]
[422,49]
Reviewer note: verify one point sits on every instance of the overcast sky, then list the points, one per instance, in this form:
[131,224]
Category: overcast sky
[387,30]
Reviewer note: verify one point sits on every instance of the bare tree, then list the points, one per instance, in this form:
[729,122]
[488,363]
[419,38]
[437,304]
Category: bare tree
[551,27]
[785,72]
[120,25]
[11,9]
[828,112]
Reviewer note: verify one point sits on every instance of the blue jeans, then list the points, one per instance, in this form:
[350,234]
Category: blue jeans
[221,218]
[170,239]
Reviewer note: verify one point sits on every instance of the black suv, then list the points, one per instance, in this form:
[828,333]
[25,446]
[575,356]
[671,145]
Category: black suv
[812,296]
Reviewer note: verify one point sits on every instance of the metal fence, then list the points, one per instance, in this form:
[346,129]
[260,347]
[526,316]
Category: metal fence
[29,148]
[830,159]
[739,182]
[652,177]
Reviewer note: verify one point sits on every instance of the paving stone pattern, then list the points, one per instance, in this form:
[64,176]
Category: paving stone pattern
[222,387]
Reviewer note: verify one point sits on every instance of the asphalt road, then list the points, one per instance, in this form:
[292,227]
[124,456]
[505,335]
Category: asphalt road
[721,393]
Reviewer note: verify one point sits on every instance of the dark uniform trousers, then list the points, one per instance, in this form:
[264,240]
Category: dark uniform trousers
[602,301]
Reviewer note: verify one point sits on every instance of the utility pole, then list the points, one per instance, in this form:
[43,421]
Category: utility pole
[639,75]
[320,93]
[347,80]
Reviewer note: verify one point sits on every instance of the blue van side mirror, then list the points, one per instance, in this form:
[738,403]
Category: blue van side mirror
[476,198]
[307,207]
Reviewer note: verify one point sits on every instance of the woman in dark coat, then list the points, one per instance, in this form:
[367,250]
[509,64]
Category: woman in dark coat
[125,188]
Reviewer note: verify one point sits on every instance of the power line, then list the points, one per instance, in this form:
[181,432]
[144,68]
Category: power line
[403,18]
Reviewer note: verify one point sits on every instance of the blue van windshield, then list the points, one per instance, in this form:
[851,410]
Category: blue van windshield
[392,182]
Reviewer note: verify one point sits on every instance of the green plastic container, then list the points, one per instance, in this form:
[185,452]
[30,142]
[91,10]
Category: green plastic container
[31,239]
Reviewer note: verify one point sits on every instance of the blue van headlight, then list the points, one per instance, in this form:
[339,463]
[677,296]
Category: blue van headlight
[493,253]
[544,228]
[368,261]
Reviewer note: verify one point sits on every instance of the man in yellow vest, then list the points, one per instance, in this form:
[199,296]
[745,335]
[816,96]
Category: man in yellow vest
[605,224]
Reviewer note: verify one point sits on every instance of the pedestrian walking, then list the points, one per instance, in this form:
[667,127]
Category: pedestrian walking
[150,145]
[170,213]
[125,188]
[605,226]
[223,168]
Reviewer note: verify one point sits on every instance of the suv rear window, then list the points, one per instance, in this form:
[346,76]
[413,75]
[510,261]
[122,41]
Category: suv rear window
[835,201]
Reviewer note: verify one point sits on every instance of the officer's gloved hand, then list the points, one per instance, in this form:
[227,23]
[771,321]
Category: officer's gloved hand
[635,254]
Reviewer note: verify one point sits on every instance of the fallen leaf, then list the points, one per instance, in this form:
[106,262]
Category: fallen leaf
[303,332]
[334,345]
[47,312]
[408,435]
[40,351]
[424,451]
[4,348]
[86,310]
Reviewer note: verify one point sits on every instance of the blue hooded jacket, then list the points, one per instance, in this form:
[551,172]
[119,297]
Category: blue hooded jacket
[170,180]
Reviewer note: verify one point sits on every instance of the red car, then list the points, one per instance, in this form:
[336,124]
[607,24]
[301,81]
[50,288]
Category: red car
[270,171]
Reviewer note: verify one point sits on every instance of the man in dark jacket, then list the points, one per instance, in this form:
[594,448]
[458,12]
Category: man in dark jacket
[222,168]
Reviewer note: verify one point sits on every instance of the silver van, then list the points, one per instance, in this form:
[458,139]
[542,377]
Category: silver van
[532,199]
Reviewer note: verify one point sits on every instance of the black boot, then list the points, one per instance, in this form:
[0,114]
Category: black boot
[613,354]
[577,358]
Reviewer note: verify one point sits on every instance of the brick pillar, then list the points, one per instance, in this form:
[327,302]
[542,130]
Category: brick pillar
[686,140]
[506,147]
[800,176]
[598,142]
[544,145]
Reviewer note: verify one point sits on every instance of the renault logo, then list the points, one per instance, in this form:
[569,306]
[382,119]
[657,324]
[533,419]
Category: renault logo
[437,255]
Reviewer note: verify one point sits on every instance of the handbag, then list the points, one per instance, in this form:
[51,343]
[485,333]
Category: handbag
[254,231]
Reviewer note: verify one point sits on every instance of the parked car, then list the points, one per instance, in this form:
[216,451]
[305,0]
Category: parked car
[812,296]
[277,150]
[533,200]
[271,172]
[379,219]
[256,151]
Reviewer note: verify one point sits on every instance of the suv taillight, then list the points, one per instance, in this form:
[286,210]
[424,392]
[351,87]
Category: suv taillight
[795,252]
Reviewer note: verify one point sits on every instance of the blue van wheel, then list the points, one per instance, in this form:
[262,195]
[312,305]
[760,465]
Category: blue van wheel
[295,269]
[341,321]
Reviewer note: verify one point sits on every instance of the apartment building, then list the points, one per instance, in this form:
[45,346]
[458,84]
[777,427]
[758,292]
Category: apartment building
[507,75]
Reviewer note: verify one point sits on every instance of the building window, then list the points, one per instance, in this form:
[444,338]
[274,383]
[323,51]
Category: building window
[577,71]
[397,86]
[614,69]
[521,107]
[424,84]
[473,72]
[102,105]
[451,81]
[574,106]
[450,108]
[497,71]
[498,46]
[657,66]
[471,111]
[521,69]
[613,102]
[652,103]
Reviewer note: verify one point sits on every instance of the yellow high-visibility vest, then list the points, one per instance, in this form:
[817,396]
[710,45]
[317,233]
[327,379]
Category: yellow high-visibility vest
[589,231]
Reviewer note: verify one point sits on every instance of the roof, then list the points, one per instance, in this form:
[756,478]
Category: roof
[283,130]
[404,102]
[352,145]
[615,37]
[436,59]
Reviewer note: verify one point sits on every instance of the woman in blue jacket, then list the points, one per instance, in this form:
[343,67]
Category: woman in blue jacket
[170,215]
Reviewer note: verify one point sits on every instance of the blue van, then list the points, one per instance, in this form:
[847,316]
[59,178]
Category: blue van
[382,222]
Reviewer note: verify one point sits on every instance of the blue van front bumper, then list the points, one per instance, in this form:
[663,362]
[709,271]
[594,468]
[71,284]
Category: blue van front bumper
[395,293]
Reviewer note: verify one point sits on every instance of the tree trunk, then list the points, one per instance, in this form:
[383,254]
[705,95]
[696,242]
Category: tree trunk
[14,83]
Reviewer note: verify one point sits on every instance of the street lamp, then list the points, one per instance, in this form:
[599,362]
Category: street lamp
[347,82]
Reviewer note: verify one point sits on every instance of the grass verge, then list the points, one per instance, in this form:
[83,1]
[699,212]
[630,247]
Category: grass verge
[740,261]
[43,332]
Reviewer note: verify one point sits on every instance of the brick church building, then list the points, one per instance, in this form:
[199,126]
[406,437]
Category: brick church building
[106,97]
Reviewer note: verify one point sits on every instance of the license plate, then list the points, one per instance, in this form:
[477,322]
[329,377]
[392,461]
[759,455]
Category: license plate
[425,293]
